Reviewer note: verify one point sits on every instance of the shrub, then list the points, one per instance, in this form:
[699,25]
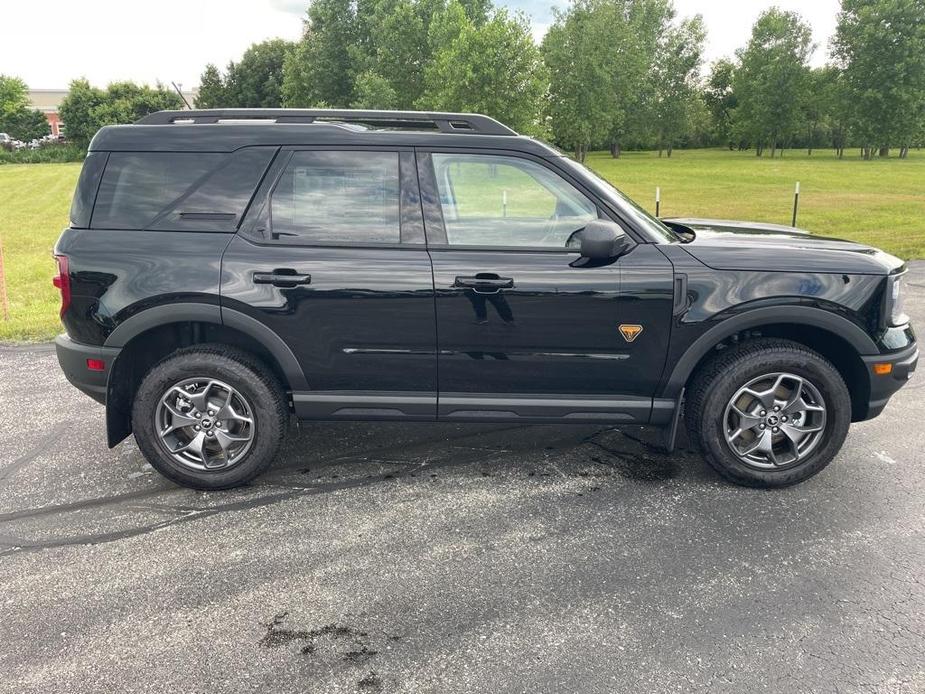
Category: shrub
[44,155]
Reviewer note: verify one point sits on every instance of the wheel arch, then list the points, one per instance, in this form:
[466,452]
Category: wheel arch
[834,337]
[149,336]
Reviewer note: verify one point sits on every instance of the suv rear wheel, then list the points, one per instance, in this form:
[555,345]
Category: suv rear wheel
[209,417]
[769,413]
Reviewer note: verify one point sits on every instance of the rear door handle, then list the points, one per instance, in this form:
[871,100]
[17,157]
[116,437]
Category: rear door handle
[282,277]
[485,283]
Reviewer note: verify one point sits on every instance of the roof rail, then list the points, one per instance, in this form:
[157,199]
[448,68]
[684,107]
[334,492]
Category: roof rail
[474,124]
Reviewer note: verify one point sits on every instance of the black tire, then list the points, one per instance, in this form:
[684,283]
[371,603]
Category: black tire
[247,375]
[720,379]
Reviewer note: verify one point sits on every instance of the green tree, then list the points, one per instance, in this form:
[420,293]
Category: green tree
[401,50]
[637,28]
[348,48]
[492,68]
[770,80]
[211,89]
[675,76]
[880,45]
[25,124]
[601,56]
[17,119]
[86,109]
[76,111]
[837,105]
[373,91]
[582,105]
[256,80]
[320,69]
[721,100]
[815,107]
[14,95]
[126,102]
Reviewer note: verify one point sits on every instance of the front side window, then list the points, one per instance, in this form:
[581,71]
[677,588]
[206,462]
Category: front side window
[334,197]
[492,200]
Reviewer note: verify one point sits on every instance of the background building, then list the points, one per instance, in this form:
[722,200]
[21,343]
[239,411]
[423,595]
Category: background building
[47,101]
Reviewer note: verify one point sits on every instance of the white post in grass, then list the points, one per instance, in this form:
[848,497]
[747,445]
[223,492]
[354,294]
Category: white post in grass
[4,301]
[796,203]
[658,199]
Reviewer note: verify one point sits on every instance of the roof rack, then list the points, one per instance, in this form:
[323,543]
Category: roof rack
[474,124]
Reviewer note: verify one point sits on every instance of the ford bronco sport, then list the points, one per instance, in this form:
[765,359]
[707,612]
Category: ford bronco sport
[226,269]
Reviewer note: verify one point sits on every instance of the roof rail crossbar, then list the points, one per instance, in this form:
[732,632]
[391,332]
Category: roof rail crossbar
[470,123]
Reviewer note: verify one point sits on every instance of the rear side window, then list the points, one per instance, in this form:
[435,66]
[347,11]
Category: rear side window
[178,191]
[338,197]
[87,185]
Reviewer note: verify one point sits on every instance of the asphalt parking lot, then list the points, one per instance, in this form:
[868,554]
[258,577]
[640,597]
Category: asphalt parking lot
[445,558]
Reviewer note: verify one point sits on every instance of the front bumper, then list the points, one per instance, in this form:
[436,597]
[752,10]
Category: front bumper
[73,356]
[883,387]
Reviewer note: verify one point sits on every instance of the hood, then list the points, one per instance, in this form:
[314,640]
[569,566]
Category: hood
[714,225]
[730,245]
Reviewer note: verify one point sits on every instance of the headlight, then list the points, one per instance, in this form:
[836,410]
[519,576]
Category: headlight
[895,294]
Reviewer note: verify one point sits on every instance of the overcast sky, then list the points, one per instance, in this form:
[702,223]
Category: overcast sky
[109,40]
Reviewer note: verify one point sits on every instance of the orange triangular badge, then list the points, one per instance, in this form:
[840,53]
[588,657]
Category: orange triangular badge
[630,332]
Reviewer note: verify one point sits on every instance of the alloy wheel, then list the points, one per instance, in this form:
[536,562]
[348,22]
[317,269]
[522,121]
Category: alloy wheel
[204,424]
[775,421]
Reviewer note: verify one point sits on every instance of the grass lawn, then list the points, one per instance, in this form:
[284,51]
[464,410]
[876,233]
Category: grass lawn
[881,203]
[34,204]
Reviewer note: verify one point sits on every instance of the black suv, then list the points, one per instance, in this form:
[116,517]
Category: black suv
[226,269]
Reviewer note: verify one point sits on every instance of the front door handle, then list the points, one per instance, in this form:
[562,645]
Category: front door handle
[282,277]
[485,283]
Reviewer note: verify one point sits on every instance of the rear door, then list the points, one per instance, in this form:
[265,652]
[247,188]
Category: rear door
[332,259]
[525,330]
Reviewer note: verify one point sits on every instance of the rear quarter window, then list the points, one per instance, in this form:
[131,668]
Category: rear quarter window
[87,185]
[178,191]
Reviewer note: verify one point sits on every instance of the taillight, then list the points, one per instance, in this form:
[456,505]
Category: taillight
[63,282]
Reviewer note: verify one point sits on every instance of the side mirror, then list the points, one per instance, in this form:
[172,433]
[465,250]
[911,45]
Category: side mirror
[602,239]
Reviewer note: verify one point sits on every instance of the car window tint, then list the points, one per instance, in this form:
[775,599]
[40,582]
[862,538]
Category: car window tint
[490,200]
[137,187]
[87,185]
[338,197]
[219,201]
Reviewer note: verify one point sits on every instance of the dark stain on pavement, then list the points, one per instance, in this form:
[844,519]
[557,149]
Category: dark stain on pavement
[371,683]
[338,635]
[652,465]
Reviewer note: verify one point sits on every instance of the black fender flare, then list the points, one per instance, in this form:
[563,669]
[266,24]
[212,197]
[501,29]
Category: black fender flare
[118,409]
[212,313]
[754,318]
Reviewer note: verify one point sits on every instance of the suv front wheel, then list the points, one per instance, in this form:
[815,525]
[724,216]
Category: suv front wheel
[769,413]
[209,417]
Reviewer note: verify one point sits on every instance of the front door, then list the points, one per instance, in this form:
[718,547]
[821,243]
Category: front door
[332,259]
[523,330]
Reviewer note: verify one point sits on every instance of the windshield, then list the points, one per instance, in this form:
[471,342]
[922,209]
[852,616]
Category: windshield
[625,205]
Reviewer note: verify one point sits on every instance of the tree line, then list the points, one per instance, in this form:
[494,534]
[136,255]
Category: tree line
[17,118]
[608,74]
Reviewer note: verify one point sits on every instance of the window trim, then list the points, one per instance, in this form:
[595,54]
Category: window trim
[435,226]
[257,224]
